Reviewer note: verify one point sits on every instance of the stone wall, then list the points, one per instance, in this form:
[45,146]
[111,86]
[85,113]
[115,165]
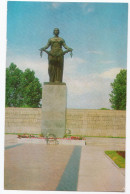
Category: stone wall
[79,121]
[96,122]
[23,120]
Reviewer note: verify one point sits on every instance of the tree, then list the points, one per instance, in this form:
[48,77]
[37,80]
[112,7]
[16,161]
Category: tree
[31,89]
[23,89]
[13,86]
[118,93]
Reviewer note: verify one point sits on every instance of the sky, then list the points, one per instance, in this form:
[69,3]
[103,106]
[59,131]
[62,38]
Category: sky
[97,32]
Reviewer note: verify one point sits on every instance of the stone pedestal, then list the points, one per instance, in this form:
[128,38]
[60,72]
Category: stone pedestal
[54,109]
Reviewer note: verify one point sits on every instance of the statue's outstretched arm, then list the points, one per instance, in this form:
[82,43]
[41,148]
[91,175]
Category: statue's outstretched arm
[66,47]
[45,47]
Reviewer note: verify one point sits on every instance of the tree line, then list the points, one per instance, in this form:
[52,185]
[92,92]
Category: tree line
[23,89]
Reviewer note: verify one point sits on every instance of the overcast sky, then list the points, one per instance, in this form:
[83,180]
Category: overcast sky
[96,31]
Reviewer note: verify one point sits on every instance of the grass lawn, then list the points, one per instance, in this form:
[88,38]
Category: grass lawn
[119,160]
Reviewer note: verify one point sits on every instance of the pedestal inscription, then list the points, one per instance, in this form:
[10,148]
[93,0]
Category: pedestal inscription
[54,109]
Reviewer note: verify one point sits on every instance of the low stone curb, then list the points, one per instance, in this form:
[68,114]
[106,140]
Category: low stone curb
[58,142]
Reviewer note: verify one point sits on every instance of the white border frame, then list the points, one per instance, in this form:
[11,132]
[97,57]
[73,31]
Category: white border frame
[3,41]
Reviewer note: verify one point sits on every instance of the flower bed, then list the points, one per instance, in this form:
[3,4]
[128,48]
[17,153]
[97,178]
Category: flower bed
[50,140]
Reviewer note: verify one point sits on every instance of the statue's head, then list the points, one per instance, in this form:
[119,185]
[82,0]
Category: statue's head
[56,31]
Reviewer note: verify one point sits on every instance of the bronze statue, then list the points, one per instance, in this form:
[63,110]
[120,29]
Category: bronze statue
[56,56]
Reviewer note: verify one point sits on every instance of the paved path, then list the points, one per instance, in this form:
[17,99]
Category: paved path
[10,140]
[35,166]
[63,167]
[97,172]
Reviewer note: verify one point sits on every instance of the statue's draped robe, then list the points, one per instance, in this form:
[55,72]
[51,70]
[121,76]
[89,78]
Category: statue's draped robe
[56,58]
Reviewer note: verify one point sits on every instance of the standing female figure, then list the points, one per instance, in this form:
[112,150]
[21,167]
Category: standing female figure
[56,56]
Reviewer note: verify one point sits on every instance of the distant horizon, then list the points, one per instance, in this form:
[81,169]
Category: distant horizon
[96,31]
